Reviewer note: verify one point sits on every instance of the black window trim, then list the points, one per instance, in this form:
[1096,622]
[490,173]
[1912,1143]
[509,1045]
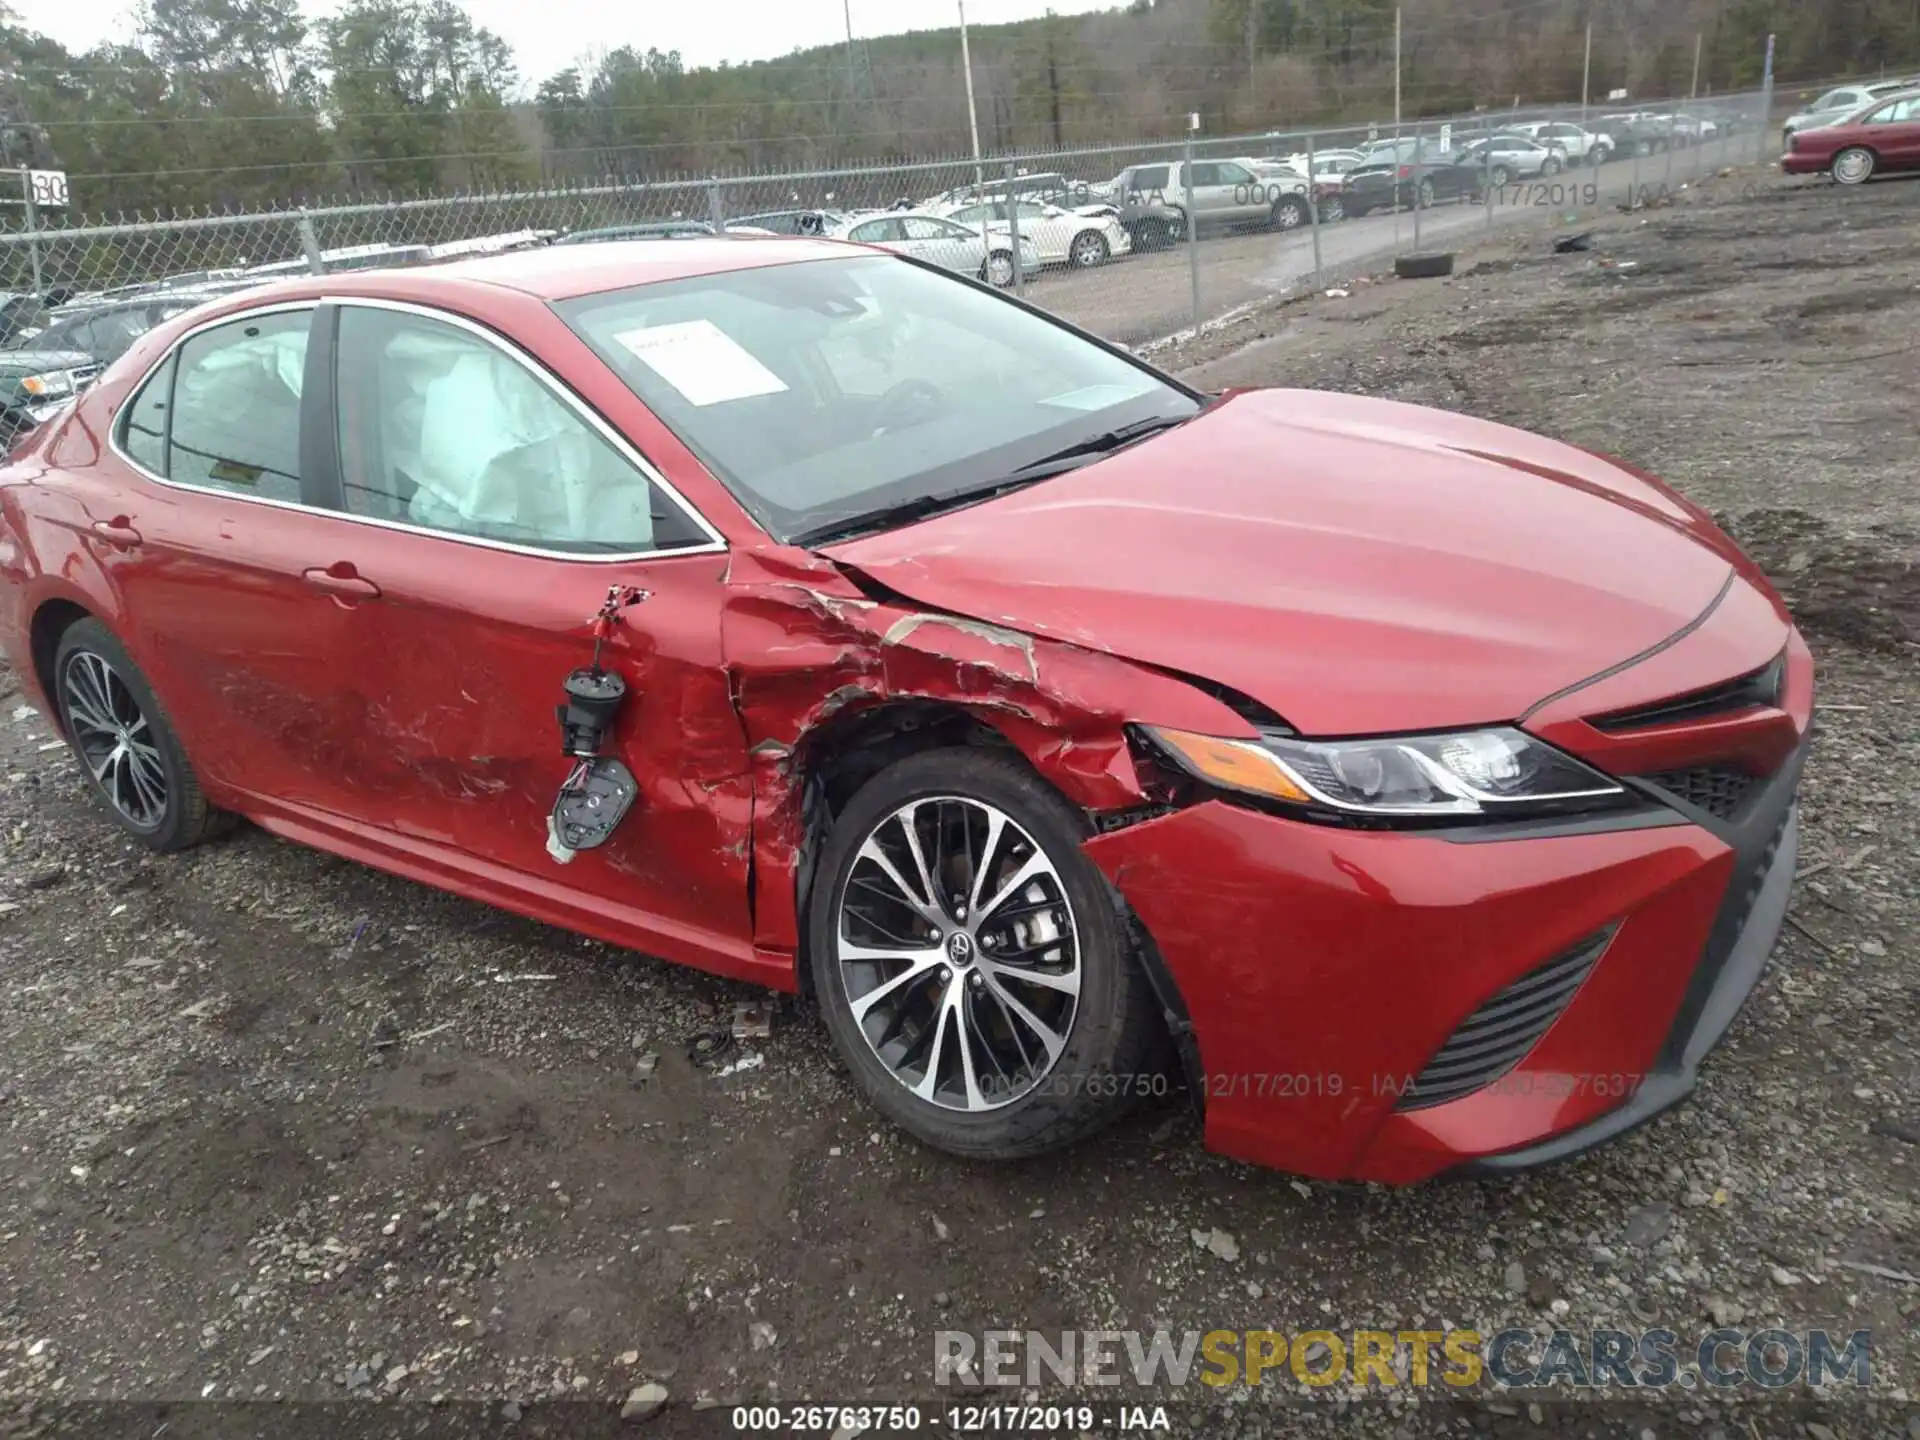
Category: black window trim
[323,491]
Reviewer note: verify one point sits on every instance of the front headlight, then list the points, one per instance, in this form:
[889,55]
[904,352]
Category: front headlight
[1494,773]
[50,386]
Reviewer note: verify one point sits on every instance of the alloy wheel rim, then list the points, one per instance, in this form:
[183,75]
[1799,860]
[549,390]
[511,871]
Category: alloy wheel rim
[1087,250]
[1853,166]
[959,953]
[115,740]
[1000,270]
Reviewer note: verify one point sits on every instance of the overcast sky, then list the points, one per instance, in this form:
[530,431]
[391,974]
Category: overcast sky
[550,34]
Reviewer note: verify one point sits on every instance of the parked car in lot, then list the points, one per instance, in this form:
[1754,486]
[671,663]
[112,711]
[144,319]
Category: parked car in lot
[790,222]
[1149,226]
[106,332]
[1060,237]
[1633,134]
[1507,158]
[1363,778]
[1218,194]
[1841,103]
[647,230]
[1411,172]
[37,383]
[944,242]
[1579,146]
[1881,139]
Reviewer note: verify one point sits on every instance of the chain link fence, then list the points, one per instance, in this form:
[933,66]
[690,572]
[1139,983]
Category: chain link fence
[1133,242]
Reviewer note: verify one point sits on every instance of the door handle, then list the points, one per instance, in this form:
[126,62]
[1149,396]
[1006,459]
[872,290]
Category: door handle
[342,580]
[117,531]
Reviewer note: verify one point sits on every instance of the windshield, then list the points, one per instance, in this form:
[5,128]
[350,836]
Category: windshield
[825,390]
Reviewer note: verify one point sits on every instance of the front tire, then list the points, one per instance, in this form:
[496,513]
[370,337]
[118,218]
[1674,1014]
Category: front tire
[1854,165]
[125,743]
[998,271]
[1090,249]
[1500,177]
[1332,210]
[973,966]
[1550,167]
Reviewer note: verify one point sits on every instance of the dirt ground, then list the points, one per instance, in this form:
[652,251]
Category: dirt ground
[279,1129]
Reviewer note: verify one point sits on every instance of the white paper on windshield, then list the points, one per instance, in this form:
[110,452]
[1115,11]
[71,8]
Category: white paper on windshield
[701,361]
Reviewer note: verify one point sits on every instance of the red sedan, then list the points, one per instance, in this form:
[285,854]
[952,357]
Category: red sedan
[1881,139]
[817,618]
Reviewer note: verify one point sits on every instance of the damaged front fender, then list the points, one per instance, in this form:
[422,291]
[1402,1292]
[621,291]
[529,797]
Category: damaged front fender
[807,641]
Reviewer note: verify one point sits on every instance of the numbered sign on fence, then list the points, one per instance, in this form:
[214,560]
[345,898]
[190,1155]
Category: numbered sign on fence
[49,188]
[1446,138]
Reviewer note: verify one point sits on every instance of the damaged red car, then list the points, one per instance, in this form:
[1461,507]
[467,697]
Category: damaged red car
[1422,789]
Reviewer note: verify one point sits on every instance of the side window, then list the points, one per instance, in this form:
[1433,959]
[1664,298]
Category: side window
[1149,177]
[876,231]
[236,407]
[143,430]
[919,227]
[444,430]
[1230,174]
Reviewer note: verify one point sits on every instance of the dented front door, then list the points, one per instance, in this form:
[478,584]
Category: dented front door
[457,675]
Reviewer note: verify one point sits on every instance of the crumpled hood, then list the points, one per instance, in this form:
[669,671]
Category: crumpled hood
[1359,566]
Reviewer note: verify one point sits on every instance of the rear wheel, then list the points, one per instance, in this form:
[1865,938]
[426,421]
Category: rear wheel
[126,744]
[973,967]
[1332,209]
[1177,226]
[1551,166]
[1500,177]
[1424,196]
[1854,165]
[1090,249]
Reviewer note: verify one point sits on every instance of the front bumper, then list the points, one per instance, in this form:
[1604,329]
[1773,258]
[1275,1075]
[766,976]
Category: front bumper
[1373,947]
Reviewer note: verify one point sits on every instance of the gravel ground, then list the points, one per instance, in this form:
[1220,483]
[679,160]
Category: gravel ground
[281,1128]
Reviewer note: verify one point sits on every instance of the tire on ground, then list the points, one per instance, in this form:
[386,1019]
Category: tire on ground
[187,818]
[1116,1035]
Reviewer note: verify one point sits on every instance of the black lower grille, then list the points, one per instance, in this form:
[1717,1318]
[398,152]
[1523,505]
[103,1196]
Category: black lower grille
[1720,790]
[1498,1035]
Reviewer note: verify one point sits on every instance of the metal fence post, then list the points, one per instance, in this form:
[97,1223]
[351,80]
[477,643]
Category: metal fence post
[1633,192]
[1486,182]
[1193,220]
[1313,210]
[310,243]
[1013,234]
[33,231]
[716,203]
[1672,140]
[1418,178]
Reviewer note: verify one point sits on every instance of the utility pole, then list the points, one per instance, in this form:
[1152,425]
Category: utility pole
[1253,60]
[853,83]
[973,124]
[1396,72]
[1586,76]
[1053,89]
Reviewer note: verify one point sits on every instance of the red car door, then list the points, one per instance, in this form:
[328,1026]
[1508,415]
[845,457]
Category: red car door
[200,528]
[494,512]
[1898,135]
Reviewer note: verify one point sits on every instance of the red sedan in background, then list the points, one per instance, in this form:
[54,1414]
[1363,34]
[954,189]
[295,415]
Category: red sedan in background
[1881,139]
[819,619]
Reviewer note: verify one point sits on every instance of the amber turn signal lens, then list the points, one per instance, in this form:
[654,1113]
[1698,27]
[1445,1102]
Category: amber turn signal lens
[1236,764]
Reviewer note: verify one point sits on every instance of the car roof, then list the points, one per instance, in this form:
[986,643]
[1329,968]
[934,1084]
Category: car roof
[554,273]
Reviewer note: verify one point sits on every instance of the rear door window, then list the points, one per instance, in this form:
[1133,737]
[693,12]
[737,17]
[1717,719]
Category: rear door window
[223,413]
